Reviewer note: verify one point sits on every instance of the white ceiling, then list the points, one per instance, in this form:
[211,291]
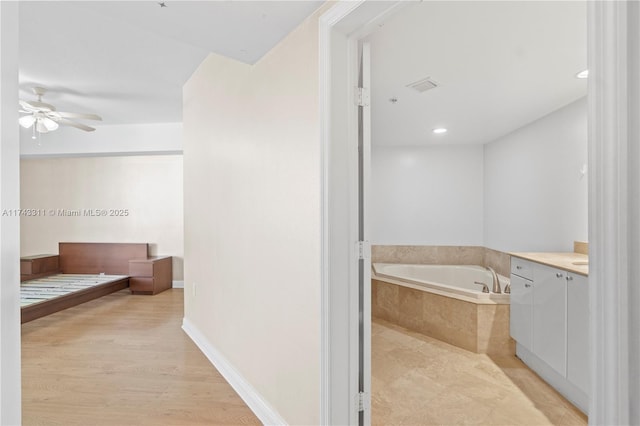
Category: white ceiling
[128,60]
[500,65]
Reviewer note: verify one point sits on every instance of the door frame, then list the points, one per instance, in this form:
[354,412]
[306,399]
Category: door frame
[614,211]
[340,30]
[364,246]
[10,379]
[614,206]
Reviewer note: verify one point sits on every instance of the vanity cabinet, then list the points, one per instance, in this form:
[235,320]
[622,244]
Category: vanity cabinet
[549,320]
[550,317]
[578,331]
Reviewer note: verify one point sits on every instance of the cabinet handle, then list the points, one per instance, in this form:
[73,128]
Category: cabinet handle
[558,275]
[527,285]
[518,267]
[569,278]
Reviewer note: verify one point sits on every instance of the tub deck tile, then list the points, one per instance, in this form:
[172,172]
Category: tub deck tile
[475,327]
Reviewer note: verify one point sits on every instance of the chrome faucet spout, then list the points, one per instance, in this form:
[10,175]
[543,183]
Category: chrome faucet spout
[496,281]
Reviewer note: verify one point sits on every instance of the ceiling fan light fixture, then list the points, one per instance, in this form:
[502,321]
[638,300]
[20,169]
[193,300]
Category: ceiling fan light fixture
[27,121]
[49,124]
[40,127]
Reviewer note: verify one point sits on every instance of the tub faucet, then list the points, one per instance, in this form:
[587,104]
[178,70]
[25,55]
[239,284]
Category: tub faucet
[485,288]
[496,281]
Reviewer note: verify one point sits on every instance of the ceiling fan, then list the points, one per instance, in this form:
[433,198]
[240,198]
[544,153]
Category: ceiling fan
[44,118]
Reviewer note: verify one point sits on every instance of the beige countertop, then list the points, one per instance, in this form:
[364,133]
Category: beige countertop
[564,261]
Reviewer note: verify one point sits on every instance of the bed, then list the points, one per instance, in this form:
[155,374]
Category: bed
[85,271]
[53,293]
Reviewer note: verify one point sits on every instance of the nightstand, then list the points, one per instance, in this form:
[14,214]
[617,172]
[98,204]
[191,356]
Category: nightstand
[150,276]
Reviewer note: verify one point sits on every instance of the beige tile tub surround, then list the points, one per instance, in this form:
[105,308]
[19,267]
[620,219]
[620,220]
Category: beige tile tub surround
[581,247]
[443,255]
[498,260]
[437,255]
[475,327]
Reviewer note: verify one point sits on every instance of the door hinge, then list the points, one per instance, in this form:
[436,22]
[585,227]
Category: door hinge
[363,250]
[362,400]
[362,96]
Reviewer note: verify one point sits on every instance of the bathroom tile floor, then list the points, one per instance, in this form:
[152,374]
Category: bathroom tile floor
[417,380]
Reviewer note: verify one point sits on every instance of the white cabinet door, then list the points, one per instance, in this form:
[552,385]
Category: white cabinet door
[520,318]
[578,331]
[550,317]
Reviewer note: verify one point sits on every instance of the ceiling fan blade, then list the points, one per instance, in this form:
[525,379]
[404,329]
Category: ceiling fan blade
[75,115]
[34,106]
[27,121]
[67,122]
[27,106]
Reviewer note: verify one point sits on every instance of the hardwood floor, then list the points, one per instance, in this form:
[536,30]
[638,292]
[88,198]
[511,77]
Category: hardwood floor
[417,380]
[122,360]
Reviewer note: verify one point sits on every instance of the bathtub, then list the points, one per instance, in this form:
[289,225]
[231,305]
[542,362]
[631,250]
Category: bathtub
[442,302]
[457,281]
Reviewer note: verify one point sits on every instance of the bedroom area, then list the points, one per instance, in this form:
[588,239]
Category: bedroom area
[101,209]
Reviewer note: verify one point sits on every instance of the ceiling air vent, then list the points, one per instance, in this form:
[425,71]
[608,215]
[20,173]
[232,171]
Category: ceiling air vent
[423,85]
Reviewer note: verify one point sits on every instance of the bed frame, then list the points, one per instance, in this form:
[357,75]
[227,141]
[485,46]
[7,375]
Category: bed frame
[95,258]
[47,307]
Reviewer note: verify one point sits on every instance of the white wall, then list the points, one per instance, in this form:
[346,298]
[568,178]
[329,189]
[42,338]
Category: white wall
[430,195]
[522,192]
[535,193]
[252,220]
[149,187]
[125,139]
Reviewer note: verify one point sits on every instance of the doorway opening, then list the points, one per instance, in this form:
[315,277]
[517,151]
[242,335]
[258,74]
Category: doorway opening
[455,229]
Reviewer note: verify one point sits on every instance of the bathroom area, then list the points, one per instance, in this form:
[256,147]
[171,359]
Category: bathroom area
[478,214]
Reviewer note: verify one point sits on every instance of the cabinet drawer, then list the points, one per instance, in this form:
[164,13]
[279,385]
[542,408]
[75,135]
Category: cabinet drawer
[521,312]
[141,284]
[140,269]
[522,268]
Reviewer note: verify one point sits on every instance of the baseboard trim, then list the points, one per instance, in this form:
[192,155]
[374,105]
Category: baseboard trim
[177,284]
[265,412]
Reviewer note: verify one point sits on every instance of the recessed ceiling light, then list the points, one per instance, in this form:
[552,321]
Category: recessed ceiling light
[583,74]
[439,130]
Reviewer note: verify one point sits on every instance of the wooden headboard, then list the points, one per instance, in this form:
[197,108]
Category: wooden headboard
[95,258]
